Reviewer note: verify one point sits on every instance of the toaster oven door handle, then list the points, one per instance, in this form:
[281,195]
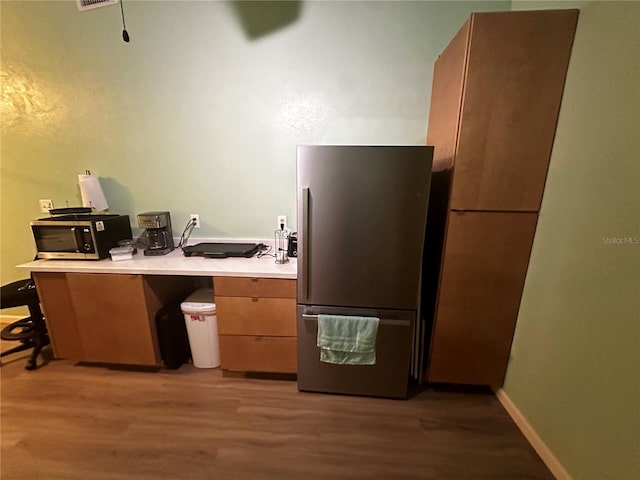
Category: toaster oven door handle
[77,238]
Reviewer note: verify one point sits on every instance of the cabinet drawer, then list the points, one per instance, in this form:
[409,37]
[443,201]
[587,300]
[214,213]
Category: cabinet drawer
[258,354]
[254,287]
[256,316]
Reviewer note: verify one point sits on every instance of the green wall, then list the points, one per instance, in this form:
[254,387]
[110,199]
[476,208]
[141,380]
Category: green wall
[202,111]
[575,367]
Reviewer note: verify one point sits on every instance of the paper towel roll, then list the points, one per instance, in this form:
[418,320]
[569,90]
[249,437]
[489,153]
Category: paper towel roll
[91,191]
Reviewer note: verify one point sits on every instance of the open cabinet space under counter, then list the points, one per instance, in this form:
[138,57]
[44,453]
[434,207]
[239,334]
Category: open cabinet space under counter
[106,318]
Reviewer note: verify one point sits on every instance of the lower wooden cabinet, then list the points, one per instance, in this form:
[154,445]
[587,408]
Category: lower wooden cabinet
[106,318]
[483,273]
[256,324]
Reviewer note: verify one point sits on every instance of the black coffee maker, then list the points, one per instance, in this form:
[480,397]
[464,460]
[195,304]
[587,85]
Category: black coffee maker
[158,235]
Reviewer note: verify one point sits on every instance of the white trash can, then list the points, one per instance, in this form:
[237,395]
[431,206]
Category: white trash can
[202,328]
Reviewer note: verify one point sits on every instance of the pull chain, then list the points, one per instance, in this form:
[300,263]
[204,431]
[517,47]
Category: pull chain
[125,34]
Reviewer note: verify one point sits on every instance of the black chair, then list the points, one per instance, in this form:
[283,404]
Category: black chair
[31,331]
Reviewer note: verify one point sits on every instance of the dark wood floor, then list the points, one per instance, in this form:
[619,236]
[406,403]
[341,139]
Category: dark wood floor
[66,421]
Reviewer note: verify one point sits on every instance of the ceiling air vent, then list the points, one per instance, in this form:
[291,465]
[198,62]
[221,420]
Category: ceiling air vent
[91,4]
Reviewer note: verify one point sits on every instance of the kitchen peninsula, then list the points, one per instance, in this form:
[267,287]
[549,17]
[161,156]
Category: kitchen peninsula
[104,311]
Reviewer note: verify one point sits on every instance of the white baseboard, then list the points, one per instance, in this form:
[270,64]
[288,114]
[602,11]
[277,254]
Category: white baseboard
[534,439]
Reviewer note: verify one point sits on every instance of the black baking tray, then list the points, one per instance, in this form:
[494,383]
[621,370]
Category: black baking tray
[221,250]
[70,210]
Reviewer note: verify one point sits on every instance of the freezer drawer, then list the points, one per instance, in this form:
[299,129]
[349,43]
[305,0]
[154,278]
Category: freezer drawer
[389,377]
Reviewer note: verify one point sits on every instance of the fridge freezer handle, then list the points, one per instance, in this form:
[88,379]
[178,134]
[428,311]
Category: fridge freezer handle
[305,244]
[383,321]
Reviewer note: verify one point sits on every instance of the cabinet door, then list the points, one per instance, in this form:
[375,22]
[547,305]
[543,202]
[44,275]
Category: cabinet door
[112,317]
[484,268]
[60,316]
[516,69]
[446,98]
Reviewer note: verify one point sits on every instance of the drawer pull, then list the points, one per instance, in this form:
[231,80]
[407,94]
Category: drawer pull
[254,299]
[255,280]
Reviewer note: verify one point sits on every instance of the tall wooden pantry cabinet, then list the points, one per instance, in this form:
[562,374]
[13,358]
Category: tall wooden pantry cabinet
[497,89]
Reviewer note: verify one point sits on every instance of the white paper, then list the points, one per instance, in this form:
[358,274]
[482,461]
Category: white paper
[92,194]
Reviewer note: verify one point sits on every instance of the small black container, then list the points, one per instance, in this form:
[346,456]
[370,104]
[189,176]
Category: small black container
[292,247]
[172,336]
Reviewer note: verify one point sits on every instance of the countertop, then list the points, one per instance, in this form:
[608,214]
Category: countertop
[174,263]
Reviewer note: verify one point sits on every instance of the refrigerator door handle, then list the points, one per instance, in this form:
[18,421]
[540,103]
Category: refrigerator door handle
[383,321]
[305,243]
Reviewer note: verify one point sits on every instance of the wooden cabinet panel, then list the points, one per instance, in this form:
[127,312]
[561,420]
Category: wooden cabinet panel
[59,314]
[256,316]
[490,179]
[444,111]
[258,354]
[113,320]
[255,287]
[516,68]
[483,274]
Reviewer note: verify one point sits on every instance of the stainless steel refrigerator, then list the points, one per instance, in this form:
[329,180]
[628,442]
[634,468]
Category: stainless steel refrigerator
[361,227]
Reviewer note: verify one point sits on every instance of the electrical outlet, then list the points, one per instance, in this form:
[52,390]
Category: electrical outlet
[282,222]
[196,218]
[45,205]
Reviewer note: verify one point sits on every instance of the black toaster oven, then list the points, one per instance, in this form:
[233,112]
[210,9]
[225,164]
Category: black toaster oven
[84,237]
